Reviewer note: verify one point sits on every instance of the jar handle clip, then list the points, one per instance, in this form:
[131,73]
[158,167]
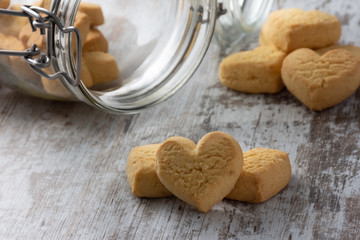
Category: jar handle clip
[43,19]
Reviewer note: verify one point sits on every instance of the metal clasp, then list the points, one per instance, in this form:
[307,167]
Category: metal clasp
[46,21]
[220,10]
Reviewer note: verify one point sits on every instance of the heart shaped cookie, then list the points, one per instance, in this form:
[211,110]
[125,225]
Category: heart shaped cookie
[203,174]
[321,81]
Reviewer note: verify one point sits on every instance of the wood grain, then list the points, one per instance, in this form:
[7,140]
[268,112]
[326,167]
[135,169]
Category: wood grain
[62,165]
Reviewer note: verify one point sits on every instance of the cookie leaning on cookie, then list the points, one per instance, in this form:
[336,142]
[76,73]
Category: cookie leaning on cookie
[323,81]
[265,172]
[203,174]
[318,86]
[259,70]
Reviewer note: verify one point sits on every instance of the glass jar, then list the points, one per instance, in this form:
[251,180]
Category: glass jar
[149,48]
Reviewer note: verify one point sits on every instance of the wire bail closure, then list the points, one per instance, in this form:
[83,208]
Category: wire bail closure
[44,19]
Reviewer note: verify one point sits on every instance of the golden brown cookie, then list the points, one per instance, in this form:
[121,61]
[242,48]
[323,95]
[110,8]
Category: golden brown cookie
[86,77]
[263,39]
[94,12]
[323,81]
[102,66]
[291,29]
[25,34]
[10,43]
[203,174]
[265,173]
[82,23]
[95,41]
[141,173]
[46,4]
[12,25]
[4,4]
[256,71]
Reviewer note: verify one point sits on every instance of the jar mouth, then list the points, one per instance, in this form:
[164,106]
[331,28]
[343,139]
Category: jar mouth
[243,18]
[158,61]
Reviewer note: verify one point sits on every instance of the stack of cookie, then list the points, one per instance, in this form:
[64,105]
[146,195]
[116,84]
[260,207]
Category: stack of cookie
[97,67]
[298,50]
[203,174]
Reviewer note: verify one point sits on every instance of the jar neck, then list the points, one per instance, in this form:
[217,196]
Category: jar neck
[243,18]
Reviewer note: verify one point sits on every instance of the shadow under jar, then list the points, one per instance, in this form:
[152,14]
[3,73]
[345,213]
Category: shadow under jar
[152,47]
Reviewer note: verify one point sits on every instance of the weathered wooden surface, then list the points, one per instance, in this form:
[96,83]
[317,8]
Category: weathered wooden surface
[62,165]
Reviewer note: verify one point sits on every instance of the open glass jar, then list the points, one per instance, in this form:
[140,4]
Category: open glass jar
[140,55]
